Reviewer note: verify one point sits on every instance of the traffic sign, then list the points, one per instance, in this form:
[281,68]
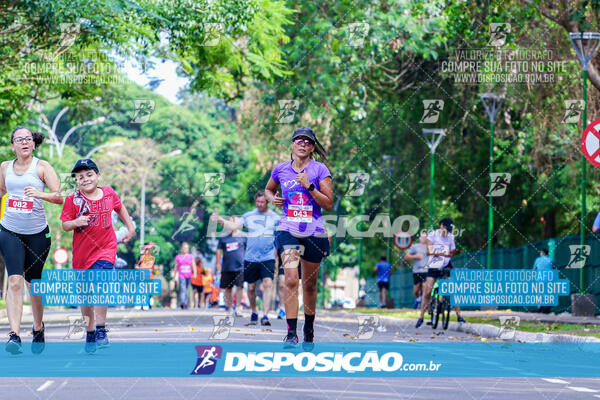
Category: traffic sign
[60,256]
[590,143]
[403,240]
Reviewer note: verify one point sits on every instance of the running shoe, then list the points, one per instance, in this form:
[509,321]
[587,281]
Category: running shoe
[461,320]
[253,319]
[419,323]
[38,344]
[102,338]
[309,339]
[264,321]
[290,341]
[281,314]
[13,345]
[90,342]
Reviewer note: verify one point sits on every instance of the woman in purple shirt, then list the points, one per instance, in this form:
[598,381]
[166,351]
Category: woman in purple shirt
[305,190]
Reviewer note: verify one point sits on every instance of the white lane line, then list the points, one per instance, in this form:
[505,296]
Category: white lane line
[385,395]
[582,389]
[597,395]
[551,380]
[45,386]
[62,385]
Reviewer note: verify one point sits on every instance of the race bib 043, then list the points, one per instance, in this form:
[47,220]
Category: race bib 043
[298,213]
[19,204]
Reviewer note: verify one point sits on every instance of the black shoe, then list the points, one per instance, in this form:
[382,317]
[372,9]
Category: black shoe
[461,320]
[264,321]
[38,344]
[428,323]
[13,345]
[90,342]
[419,323]
[102,338]
[290,341]
[309,340]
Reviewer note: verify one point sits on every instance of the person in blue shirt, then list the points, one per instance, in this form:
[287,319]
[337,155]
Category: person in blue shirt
[543,262]
[384,270]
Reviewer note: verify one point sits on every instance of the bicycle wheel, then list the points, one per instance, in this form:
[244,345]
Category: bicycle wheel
[435,312]
[446,312]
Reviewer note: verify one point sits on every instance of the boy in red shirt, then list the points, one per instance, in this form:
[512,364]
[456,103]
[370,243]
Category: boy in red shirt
[87,211]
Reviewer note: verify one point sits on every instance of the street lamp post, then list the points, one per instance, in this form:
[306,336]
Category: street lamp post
[433,138]
[104,146]
[585,54]
[492,103]
[392,160]
[60,144]
[143,200]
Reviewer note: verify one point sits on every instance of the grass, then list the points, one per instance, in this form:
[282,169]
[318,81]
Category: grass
[525,326]
[2,304]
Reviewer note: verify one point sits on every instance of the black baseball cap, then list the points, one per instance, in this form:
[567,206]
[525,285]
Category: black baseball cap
[84,163]
[304,131]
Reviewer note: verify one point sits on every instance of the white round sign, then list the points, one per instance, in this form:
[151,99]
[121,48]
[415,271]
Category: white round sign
[60,256]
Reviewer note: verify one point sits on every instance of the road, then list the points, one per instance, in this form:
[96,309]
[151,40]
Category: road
[197,326]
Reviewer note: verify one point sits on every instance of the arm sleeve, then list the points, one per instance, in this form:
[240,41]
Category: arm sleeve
[597,221]
[116,201]
[323,172]
[275,174]
[68,212]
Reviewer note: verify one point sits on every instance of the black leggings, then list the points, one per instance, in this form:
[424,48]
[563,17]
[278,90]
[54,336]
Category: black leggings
[25,255]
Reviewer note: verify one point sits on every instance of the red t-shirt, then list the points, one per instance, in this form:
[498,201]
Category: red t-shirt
[98,240]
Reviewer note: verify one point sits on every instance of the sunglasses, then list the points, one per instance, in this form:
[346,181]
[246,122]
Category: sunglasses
[305,141]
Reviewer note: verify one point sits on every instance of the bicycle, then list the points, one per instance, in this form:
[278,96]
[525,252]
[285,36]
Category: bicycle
[439,305]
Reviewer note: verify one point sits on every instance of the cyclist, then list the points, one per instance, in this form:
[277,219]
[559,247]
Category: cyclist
[24,234]
[441,248]
[306,188]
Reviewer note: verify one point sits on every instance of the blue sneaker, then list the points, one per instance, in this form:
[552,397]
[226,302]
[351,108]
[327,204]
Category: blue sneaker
[90,342]
[102,338]
[264,321]
[290,341]
[419,323]
[253,319]
[281,314]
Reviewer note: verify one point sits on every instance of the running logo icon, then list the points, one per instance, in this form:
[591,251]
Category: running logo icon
[212,183]
[508,326]
[366,326]
[222,325]
[142,111]
[500,181]
[573,111]
[358,182]
[212,33]
[207,359]
[357,32]
[77,325]
[431,111]
[287,111]
[579,255]
[498,33]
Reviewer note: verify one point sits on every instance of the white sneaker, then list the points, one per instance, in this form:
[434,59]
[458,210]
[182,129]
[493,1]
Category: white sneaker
[235,313]
[381,329]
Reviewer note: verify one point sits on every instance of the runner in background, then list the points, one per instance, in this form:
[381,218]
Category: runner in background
[197,284]
[184,271]
[384,270]
[306,188]
[418,253]
[259,259]
[231,248]
[24,233]
[87,212]
[208,287]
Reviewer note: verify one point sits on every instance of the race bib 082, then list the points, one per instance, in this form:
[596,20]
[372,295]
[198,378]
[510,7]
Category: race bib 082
[19,204]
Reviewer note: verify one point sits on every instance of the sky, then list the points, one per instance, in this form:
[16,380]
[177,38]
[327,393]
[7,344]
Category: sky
[164,70]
